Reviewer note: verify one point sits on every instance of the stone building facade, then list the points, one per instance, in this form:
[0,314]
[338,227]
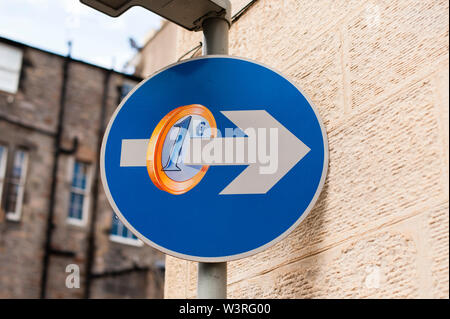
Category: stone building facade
[378,73]
[55,220]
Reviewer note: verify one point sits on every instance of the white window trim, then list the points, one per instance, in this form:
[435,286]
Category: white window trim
[126,241]
[9,69]
[87,198]
[17,214]
[3,169]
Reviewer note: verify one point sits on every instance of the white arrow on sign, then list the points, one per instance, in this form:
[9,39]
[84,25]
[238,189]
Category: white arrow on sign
[258,177]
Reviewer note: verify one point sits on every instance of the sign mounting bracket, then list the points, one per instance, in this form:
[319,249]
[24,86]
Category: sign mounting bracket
[189,14]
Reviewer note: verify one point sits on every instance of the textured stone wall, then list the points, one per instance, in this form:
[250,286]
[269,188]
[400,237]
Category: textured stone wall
[21,243]
[31,105]
[161,48]
[378,73]
[82,120]
[119,270]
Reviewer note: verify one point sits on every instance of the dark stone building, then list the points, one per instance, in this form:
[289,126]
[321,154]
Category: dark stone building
[55,220]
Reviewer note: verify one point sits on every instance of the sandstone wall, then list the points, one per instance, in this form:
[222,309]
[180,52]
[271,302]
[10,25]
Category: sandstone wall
[378,73]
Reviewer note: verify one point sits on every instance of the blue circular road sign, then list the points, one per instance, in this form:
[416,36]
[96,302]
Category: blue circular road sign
[214,159]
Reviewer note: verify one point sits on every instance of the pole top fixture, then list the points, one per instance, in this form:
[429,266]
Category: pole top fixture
[189,14]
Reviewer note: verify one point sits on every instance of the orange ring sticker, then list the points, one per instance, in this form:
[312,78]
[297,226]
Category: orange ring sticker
[165,148]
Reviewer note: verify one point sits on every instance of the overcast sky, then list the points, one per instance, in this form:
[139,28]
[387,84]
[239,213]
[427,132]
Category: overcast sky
[97,38]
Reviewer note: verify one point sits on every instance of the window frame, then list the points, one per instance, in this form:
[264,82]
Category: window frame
[121,239]
[17,214]
[15,72]
[126,83]
[86,193]
[3,162]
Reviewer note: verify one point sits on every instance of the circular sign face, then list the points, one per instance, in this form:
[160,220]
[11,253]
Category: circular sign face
[214,159]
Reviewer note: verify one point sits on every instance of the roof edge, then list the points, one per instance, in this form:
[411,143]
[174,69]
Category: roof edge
[24,45]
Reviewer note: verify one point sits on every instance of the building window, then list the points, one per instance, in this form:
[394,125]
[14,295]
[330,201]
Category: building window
[10,65]
[3,156]
[125,89]
[16,185]
[121,234]
[79,194]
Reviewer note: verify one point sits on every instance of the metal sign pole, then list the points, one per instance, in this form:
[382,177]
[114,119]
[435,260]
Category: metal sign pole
[215,36]
[126,137]
[212,277]
[212,281]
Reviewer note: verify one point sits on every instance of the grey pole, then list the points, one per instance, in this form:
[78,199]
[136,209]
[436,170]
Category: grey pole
[212,281]
[215,36]
[212,277]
